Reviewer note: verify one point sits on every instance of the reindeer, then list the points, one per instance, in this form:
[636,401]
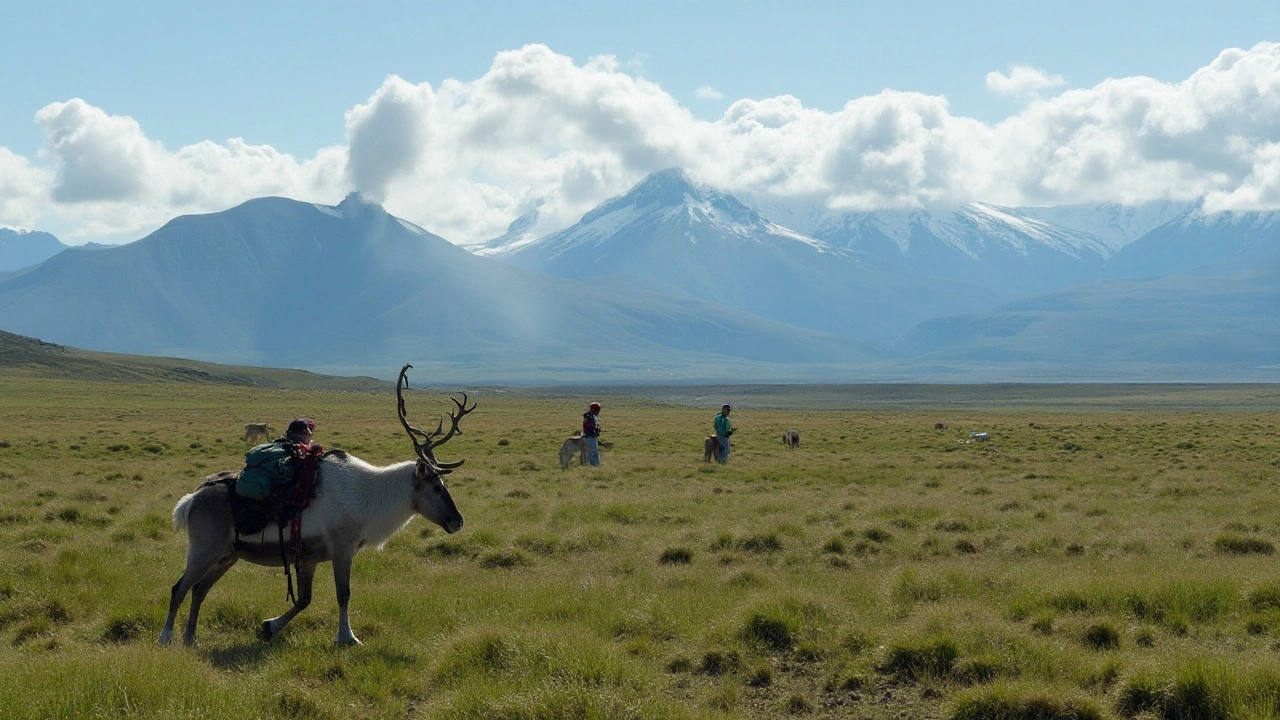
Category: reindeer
[573,445]
[256,431]
[710,448]
[791,439]
[356,504]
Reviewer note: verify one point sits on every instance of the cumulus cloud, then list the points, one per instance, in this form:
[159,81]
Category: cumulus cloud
[107,180]
[1022,82]
[465,158]
[23,191]
[538,128]
[706,92]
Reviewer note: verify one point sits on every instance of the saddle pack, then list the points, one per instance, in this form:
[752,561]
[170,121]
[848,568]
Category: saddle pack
[266,467]
[288,472]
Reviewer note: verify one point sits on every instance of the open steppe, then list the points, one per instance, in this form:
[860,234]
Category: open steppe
[1109,552]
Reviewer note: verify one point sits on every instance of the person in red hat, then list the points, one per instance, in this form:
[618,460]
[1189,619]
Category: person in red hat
[591,433]
[299,432]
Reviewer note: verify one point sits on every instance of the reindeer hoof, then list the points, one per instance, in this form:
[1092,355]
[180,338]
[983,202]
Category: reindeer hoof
[264,632]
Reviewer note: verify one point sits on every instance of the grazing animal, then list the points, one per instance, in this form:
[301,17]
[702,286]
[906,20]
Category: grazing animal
[939,426]
[710,448]
[574,445]
[791,438]
[356,504]
[256,431]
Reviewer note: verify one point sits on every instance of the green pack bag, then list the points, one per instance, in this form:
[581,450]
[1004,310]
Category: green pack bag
[265,465]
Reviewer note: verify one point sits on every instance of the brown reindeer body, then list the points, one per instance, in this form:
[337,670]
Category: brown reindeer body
[710,448]
[257,431]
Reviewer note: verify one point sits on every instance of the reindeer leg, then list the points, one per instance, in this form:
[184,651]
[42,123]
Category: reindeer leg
[198,565]
[342,583]
[198,593]
[306,574]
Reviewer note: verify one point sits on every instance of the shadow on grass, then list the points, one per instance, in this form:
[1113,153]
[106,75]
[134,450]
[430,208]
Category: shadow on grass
[242,656]
[254,655]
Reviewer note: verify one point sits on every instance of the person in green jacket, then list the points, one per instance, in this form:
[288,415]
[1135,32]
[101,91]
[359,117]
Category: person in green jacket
[724,429]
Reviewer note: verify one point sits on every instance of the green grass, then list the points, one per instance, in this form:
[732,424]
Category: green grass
[1086,562]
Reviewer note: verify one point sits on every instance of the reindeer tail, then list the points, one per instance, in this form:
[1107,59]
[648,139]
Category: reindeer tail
[181,511]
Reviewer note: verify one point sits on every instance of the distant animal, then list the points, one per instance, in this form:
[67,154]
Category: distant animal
[355,505]
[256,431]
[791,438]
[710,448]
[574,445]
[939,426]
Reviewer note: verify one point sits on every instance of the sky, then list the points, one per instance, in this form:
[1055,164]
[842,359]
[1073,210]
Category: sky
[461,117]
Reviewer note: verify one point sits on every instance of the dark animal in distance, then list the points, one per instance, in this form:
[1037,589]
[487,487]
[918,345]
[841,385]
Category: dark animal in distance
[355,504]
[939,426]
[791,438]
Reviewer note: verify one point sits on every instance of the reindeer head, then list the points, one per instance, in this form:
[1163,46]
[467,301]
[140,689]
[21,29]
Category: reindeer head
[431,498]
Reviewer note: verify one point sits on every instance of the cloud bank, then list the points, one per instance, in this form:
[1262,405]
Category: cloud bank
[466,158]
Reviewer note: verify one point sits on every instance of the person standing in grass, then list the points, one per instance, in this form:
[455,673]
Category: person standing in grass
[724,429]
[591,433]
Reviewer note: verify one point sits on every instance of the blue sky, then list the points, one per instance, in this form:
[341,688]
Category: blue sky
[163,88]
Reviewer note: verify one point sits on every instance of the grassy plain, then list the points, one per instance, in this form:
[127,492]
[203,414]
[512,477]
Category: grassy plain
[1087,561]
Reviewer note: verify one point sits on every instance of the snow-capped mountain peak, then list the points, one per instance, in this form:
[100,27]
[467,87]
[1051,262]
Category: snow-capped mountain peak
[666,200]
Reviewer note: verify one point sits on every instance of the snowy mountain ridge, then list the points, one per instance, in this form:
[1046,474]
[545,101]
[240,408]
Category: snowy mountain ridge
[662,198]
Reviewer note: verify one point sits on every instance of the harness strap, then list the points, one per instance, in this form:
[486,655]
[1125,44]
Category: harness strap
[285,561]
[301,498]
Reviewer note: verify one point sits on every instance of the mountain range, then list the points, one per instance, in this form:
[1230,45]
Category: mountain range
[349,289]
[18,249]
[676,281]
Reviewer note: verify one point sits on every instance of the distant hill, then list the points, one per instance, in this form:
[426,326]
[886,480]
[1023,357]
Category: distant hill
[350,289]
[25,355]
[19,249]
[1185,327]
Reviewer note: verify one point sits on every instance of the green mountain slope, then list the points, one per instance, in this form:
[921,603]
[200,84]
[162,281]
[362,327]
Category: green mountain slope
[21,355]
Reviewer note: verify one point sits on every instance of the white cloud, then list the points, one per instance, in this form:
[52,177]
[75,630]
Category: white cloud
[537,129]
[23,191]
[107,180]
[706,92]
[1022,82]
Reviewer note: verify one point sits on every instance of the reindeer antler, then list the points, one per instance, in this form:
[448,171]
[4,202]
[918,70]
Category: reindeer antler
[429,442]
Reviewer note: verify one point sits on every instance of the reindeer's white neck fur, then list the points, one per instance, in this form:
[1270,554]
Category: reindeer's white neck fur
[354,496]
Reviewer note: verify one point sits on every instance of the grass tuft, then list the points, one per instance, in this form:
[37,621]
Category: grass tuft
[1101,636]
[720,662]
[917,658]
[127,627]
[505,559]
[1235,544]
[1022,702]
[676,556]
[776,626]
